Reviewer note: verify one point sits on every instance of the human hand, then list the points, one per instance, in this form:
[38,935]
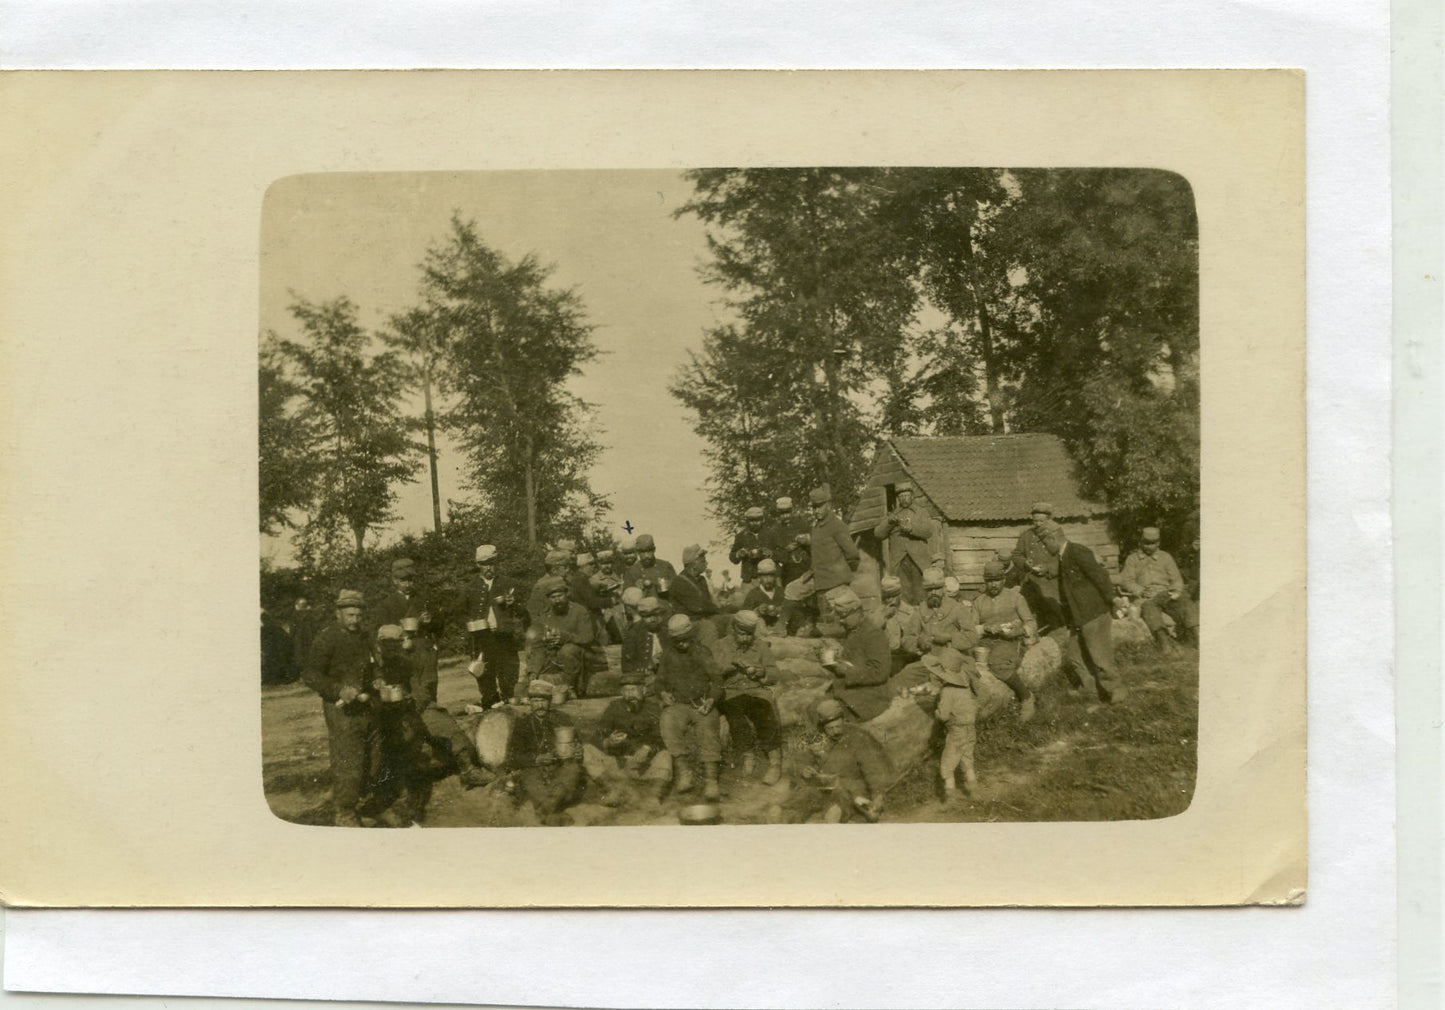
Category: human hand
[617,737]
[425,617]
[348,694]
[706,706]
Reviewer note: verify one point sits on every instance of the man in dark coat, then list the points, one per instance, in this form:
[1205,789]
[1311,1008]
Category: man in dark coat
[496,626]
[784,536]
[561,637]
[766,599]
[849,775]
[340,669]
[690,685]
[1087,596]
[646,638]
[408,605]
[691,594]
[1035,569]
[276,651]
[833,557]
[908,531]
[543,767]
[630,732]
[750,546]
[866,663]
[650,573]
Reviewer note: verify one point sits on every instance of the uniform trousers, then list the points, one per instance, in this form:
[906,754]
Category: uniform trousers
[1004,655]
[1091,648]
[501,666]
[1181,610]
[643,763]
[403,742]
[958,711]
[355,746]
[551,787]
[674,724]
[752,721]
[562,666]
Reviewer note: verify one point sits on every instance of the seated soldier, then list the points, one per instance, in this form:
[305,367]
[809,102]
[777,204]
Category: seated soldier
[543,763]
[560,637]
[766,599]
[402,786]
[558,564]
[748,706]
[939,611]
[1007,628]
[1151,577]
[649,572]
[902,624]
[690,686]
[847,777]
[916,681]
[628,743]
[645,640]
[864,665]
[449,742]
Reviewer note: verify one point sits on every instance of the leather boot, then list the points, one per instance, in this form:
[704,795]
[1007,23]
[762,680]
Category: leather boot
[684,781]
[710,788]
[775,768]
[748,763]
[471,774]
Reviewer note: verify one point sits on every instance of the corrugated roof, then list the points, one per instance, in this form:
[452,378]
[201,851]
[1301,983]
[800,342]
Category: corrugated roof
[988,478]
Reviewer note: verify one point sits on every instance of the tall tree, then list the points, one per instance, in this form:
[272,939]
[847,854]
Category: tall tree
[511,344]
[349,403]
[414,335]
[285,468]
[822,292]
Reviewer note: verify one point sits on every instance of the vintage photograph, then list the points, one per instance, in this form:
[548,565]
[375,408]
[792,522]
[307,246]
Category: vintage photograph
[729,496]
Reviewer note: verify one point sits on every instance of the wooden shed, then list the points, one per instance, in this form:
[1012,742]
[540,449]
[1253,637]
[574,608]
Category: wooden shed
[980,488]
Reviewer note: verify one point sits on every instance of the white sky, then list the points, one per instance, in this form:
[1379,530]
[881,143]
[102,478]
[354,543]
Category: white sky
[610,234]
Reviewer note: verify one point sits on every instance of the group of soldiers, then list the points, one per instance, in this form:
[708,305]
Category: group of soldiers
[695,679]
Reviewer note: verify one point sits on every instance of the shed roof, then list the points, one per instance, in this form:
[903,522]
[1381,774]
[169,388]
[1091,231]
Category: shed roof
[981,478]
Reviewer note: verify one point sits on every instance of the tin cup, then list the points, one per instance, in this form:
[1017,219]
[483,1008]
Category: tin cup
[829,655]
[564,740]
[411,624]
[663,583]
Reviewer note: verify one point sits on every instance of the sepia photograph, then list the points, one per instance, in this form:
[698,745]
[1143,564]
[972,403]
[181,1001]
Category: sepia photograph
[745,496]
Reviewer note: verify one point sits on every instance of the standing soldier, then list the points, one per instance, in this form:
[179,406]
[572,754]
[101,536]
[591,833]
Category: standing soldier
[750,546]
[650,574]
[690,686]
[407,601]
[544,757]
[691,594]
[339,669]
[748,706]
[766,599]
[901,623]
[908,531]
[833,556]
[497,627]
[626,557]
[788,539]
[865,665]
[593,592]
[560,638]
[1036,569]
[1087,596]
[938,611]
[1007,627]
[1151,577]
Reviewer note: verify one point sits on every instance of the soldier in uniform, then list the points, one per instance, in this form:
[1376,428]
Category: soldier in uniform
[1036,571]
[560,638]
[448,740]
[556,563]
[542,766]
[340,669]
[901,623]
[1151,577]
[789,550]
[766,599]
[689,684]
[848,776]
[626,557]
[650,574]
[938,611]
[404,601]
[908,531]
[496,626]
[1087,595]
[629,739]
[865,665]
[1007,628]
[833,556]
[748,705]
[750,546]
[691,594]
[645,640]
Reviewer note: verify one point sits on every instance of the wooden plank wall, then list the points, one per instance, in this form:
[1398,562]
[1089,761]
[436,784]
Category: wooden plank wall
[974,545]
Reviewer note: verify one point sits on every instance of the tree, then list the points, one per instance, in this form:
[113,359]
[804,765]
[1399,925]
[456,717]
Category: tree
[286,472]
[414,335]
[822,291]
[511,344]
[349,405]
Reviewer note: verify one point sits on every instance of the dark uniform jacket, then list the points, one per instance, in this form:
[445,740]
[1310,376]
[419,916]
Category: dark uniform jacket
[691,595]
[691,676]
[953,616]
[792,560]
[638,647]
[748,549]
[339,658]
[1084,587]
[1030,550]
[860,764]
[394,606]
[735,661]
[911,537]
[575,626]
[512,618]
[643,727]
[758,599]
[581,590]
[637,575]
[533,738]
[834,555]
[864,669]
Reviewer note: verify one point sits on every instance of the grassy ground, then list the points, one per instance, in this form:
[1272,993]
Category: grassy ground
[1079,760]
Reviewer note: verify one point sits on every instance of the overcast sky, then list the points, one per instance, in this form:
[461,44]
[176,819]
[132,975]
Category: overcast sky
[610,234]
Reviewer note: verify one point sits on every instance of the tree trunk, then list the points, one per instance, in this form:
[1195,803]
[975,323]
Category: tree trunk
[360,533]
[985,336]
[529,479]
[431,448]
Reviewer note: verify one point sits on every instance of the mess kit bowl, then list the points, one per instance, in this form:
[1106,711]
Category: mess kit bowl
[700,813]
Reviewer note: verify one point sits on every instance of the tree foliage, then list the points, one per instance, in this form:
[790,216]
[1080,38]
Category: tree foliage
[286,473]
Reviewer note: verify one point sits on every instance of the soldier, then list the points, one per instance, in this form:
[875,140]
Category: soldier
[939,611]
[496,627]
[406,600]
[766,599]
[404,785]
[901,623]
[445,735]
[631,597]
[833,556]
[691,594]
[560,638]
[908,531]
[1151,577]
[788,538]
[750,546]
[1006,627]
[748,706]
[1036,571]
[339,669]
[849,774]
[557,564]
[543,759]
[650,574]
[644,641]
[957,708]
[865,665]
[1087,596]
[690,686]
[629,737]
[592,590]
[952,589]
[626,557]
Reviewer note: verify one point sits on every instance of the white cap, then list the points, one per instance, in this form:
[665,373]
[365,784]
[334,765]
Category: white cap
[486,552]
